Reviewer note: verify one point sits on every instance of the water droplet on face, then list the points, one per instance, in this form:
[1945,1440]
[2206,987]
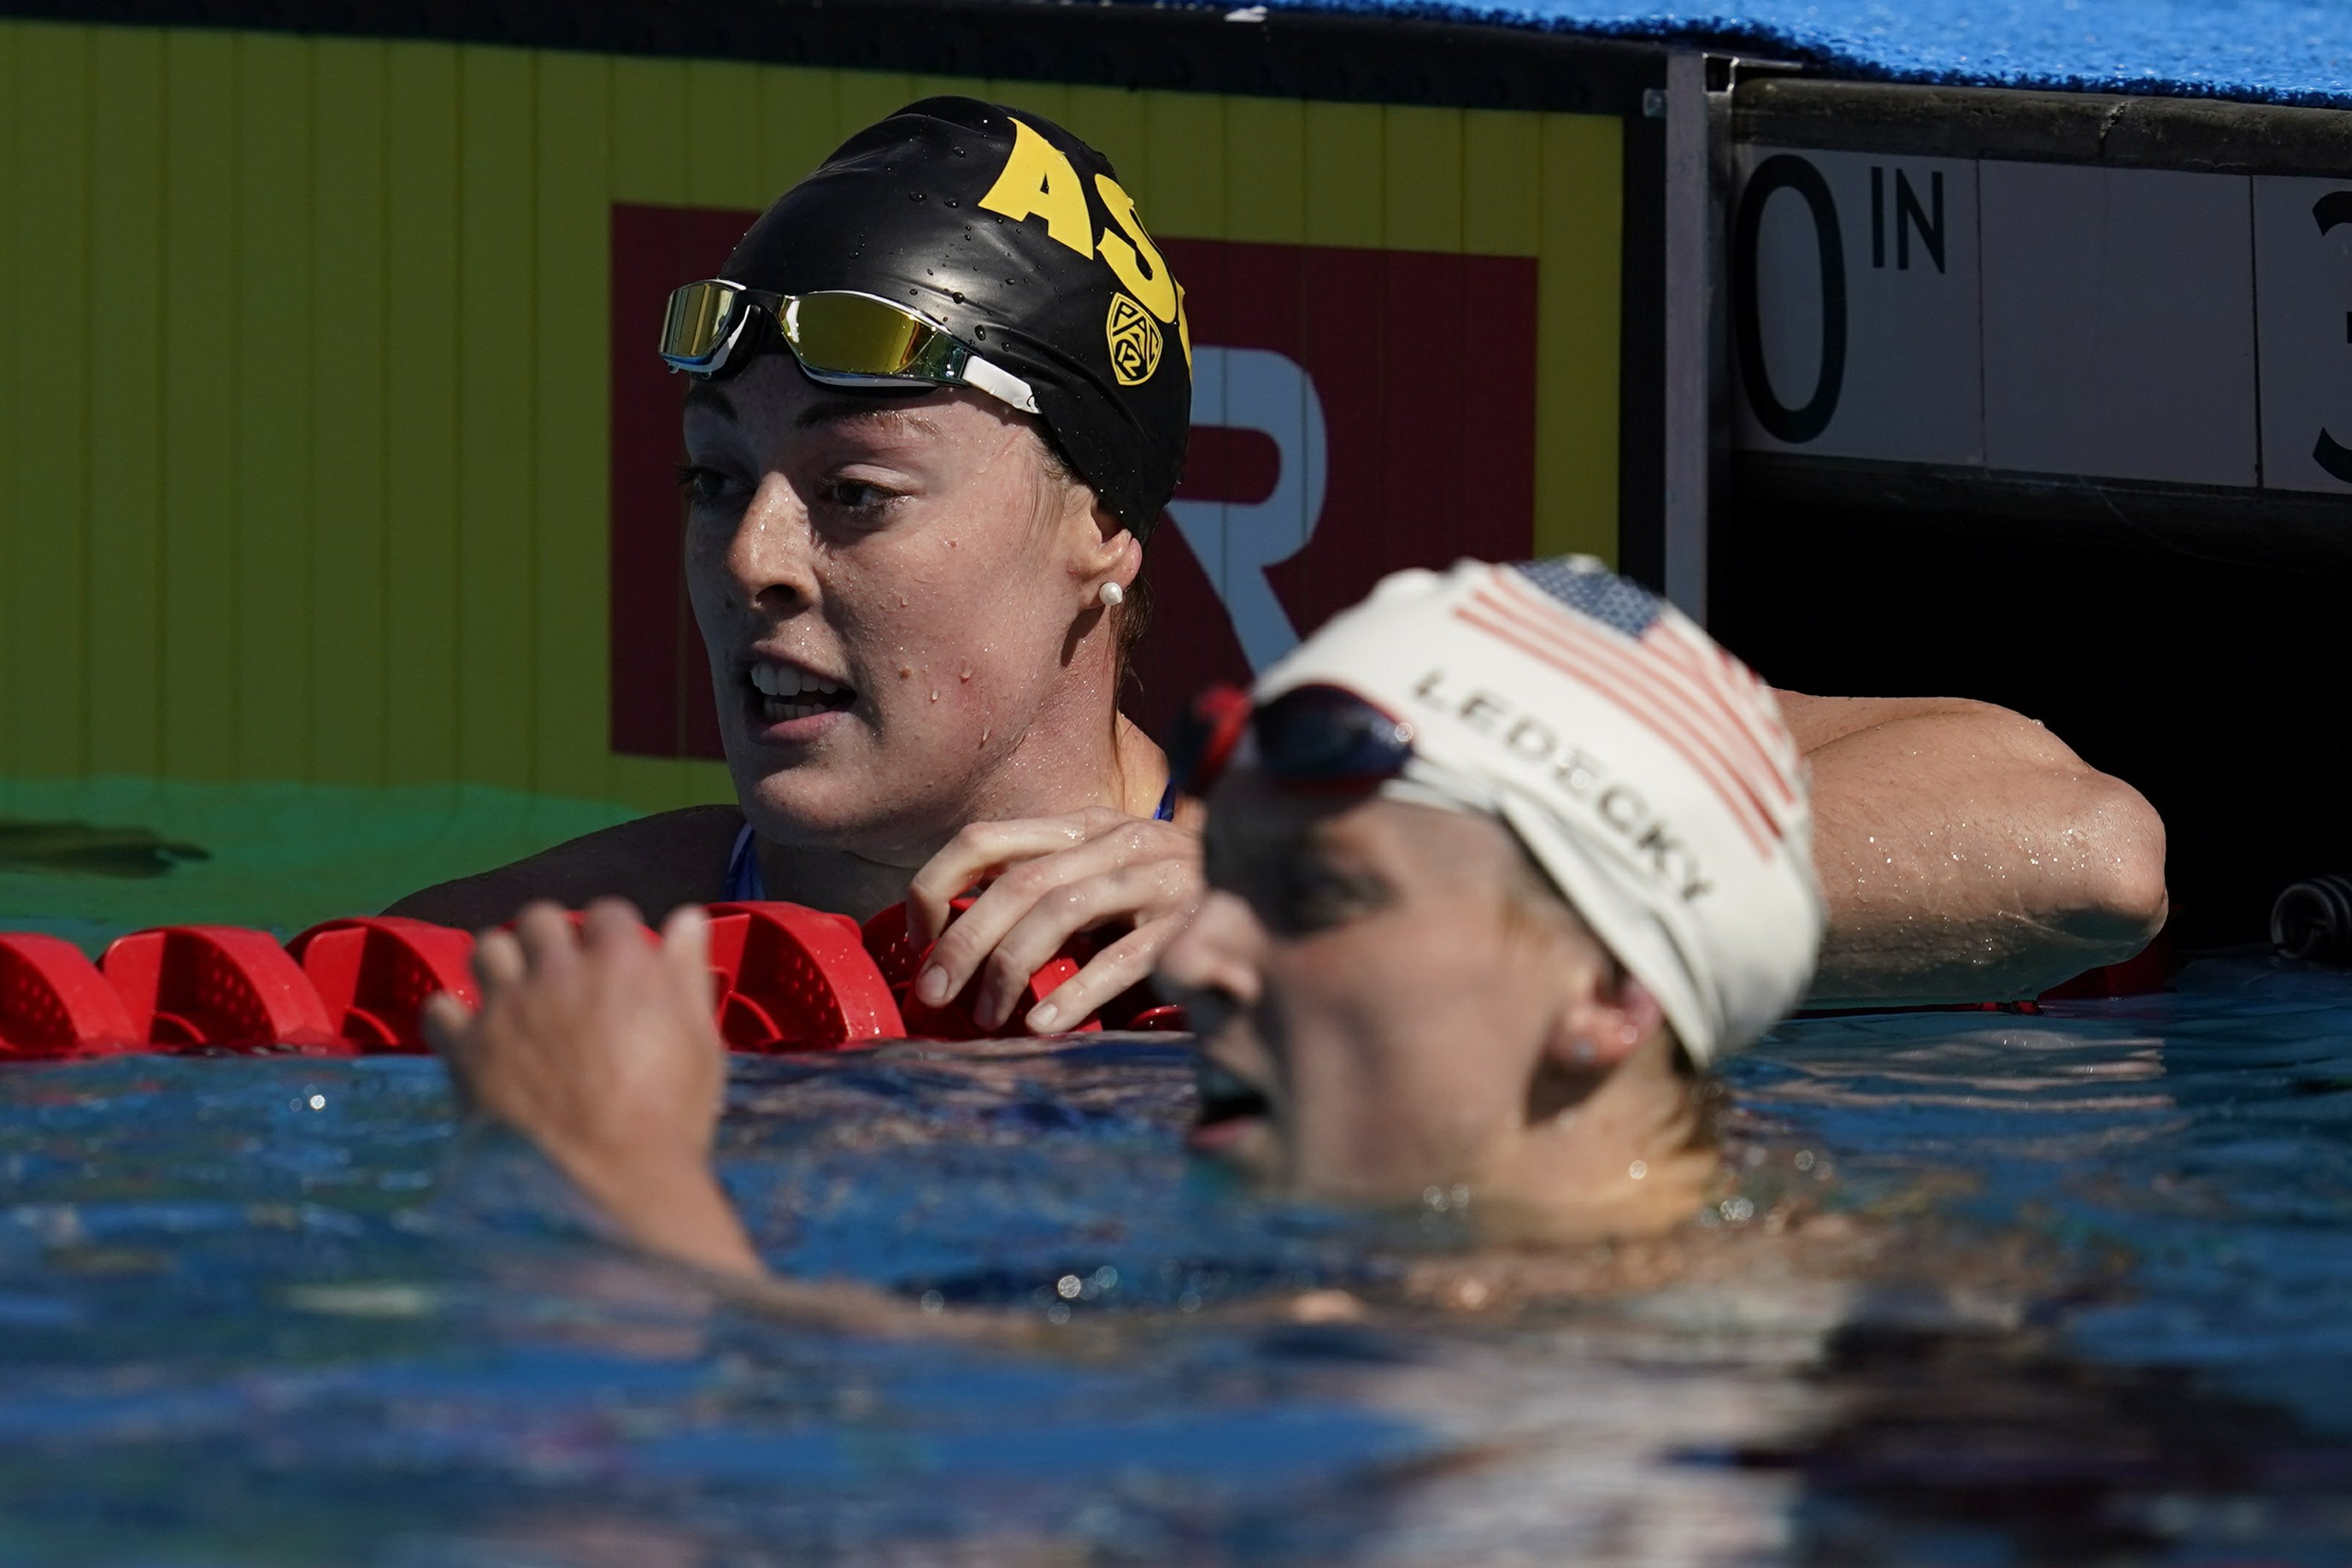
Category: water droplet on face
[935,694]
[979,332]
[952,201]
[915,196]
[956,295]
[967,673]
[957,150]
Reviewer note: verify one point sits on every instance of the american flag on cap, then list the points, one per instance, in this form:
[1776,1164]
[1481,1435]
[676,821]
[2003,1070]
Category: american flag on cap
[1646,658]
[1644,769]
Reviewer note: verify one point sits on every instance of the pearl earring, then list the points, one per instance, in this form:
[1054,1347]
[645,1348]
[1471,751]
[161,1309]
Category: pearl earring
[1112,595]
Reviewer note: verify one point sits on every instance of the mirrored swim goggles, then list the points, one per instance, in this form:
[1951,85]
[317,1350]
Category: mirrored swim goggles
[1313,735]
[841,338]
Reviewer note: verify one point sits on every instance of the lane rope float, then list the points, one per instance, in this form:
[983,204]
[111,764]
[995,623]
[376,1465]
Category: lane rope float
[786,978]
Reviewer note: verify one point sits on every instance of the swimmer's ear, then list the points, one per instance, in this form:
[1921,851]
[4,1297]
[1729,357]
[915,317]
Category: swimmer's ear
[1111,554]
[1601,1028]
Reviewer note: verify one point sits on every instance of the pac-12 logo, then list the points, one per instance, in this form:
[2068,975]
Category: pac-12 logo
[1135,341]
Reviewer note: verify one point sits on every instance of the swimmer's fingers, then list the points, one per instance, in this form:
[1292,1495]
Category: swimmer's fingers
[446,1022]
[1131,894]
[1123,964]
[448,1026]
[497,963]
[1144,868]
[544,930]
[983,848]
[610,923]
[686,951]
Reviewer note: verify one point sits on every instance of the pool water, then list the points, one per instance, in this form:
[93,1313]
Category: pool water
[272,1310]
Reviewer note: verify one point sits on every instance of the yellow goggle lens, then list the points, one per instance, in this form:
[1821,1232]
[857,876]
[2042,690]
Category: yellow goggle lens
[849,334]
[700,316]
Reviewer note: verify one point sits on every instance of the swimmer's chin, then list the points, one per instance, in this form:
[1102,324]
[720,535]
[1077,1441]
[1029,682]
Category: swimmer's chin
[1246,1145]
[1496,1214]
[816,807]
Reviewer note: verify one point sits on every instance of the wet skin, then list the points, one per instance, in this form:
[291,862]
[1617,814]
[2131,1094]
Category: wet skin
[900,598]
[915,556]
[1388,1001]
[916,691]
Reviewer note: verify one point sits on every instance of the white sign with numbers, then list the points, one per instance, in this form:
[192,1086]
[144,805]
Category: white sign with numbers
[2303,276]
[2045,318]
[1859,339]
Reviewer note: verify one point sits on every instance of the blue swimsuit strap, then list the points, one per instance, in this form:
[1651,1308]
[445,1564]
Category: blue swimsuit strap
[747,884]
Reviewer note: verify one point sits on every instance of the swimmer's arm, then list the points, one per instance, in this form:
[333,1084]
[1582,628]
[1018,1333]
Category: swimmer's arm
[599,1049]
[655,862]
[1967,853]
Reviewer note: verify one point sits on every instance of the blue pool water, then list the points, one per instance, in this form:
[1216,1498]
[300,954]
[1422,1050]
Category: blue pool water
[262,1311]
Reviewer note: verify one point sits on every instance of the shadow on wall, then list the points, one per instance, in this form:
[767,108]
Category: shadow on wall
[82,849]
[276,856]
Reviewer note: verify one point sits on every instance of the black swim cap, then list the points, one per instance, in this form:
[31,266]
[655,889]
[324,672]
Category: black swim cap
[1015,236]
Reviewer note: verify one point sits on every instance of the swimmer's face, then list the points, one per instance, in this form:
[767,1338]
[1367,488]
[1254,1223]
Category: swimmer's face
[885,585]
[1373,1008]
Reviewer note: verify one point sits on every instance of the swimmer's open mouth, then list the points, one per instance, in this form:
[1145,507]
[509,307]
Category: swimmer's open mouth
[1227,1097]
[785,693]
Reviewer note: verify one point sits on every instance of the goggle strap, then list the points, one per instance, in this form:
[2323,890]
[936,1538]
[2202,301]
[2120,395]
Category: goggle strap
[723,357]
[1001,384]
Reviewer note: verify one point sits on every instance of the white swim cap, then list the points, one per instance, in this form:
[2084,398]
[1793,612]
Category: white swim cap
[1646,769]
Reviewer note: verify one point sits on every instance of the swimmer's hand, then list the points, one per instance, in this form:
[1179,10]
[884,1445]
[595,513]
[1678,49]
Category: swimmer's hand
[1049,879]
[601,1050]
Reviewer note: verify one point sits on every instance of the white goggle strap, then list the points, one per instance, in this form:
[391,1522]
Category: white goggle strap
[1001,384]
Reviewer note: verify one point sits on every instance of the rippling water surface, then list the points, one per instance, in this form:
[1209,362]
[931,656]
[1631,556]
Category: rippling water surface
[260,1311]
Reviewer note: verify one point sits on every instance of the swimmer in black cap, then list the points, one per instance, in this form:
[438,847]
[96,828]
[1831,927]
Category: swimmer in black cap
[936,401]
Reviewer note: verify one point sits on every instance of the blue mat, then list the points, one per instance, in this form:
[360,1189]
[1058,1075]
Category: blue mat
[2271,51]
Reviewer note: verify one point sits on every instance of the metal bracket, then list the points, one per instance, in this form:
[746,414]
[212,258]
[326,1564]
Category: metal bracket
[1696,108]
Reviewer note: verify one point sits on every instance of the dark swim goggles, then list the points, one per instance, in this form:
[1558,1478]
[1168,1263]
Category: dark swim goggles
[841,338]
[1318,734]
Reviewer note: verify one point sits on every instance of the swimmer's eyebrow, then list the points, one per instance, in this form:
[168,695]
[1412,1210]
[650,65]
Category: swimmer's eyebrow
[705,394]
[840,410]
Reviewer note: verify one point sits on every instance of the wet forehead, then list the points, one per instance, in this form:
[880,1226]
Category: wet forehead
[772,397]
[1254,821]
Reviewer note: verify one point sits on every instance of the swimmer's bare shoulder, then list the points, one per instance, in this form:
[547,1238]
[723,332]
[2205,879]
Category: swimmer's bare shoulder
[1796,1260]
[1793,1242]
[655,862]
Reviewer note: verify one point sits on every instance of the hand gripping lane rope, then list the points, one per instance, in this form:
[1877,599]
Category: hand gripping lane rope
[785,978]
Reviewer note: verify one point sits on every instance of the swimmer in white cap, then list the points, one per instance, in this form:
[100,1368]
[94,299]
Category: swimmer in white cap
[1505,858]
